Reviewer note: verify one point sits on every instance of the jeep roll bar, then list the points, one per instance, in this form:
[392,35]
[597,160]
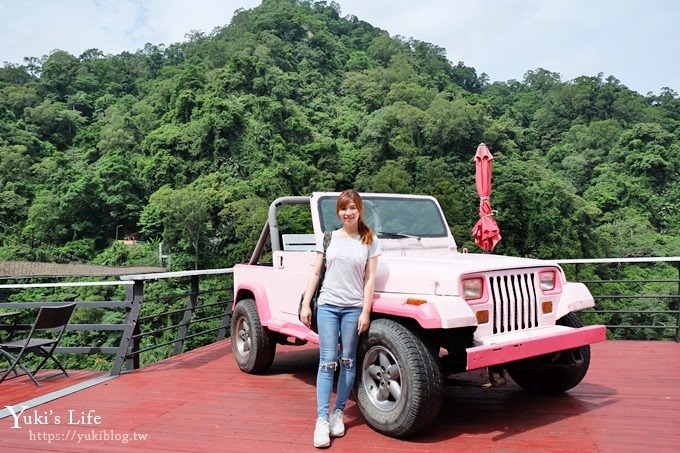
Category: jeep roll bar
[271,227]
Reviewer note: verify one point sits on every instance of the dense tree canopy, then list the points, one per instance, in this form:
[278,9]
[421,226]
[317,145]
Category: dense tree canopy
[187,144]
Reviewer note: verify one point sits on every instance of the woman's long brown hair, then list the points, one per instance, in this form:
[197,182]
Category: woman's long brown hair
[352,196]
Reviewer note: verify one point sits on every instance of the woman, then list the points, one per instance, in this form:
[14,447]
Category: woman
[344,309]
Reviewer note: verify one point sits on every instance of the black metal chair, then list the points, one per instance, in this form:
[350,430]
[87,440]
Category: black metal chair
[43,338]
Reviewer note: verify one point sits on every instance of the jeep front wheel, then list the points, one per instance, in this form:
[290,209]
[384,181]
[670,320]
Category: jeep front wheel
[251,344]
[553,373]
[400,389]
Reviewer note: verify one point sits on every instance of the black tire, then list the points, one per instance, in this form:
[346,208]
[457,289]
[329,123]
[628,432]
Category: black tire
[553,373]
[251,344]
[400,385]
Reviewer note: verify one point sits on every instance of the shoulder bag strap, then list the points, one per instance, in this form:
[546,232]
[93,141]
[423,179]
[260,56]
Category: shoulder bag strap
[327,235]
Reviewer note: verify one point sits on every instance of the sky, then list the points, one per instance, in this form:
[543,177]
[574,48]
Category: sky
[636,41]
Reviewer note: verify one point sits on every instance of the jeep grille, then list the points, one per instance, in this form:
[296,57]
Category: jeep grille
[515,305]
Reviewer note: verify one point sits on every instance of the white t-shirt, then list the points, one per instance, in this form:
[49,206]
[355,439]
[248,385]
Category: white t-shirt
[346,260]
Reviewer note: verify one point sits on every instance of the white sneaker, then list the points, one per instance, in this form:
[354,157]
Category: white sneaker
[321,433]
[337,425]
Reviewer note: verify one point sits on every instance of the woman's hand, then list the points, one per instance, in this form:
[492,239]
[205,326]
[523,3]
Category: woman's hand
[364,321]
[306,315]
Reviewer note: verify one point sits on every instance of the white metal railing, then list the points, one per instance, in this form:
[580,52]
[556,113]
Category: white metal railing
[127,352]
[672,296]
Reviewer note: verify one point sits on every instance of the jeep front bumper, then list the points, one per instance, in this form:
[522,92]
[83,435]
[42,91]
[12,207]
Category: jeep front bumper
[501,349]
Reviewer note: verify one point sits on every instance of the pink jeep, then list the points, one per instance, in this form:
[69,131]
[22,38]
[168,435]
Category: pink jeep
[436,311]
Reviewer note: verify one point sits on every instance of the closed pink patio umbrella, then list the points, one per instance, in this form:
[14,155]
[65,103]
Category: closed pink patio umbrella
[485,231]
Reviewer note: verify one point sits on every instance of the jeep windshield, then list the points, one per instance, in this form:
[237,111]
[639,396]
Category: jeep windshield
[391,217]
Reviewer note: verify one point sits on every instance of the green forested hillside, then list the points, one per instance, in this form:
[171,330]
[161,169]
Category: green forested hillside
[187,144]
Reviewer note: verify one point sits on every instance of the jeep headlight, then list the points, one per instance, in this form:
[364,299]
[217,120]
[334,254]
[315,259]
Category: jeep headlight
[547,280]
[473,288]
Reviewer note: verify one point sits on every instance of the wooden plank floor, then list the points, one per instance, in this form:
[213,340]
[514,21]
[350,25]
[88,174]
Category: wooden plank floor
[201,402]
[19,389]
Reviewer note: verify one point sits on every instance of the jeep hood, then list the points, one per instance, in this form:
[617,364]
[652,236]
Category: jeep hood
[438,272]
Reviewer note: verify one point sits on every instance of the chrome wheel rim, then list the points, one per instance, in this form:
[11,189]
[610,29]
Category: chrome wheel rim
[244,338]
[381,378]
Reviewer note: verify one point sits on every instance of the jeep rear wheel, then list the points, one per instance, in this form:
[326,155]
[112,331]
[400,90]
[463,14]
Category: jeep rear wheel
[553,373]
[251,344]
[400,389]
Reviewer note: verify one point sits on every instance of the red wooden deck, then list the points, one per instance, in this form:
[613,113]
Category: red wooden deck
[201,402]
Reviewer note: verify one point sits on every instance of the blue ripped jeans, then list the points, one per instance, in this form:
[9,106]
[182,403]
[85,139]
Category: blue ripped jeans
[334,321]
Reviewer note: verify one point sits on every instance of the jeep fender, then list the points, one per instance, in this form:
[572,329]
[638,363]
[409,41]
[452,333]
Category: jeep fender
[578,298]
[438,312]
[260,296]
